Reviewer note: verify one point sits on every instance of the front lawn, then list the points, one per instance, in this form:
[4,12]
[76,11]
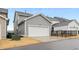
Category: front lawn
[13,43]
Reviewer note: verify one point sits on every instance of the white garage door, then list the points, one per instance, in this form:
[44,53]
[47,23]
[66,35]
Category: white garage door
[38,31]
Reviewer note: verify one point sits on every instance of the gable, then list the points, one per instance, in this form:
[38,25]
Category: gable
[73,25]
[38,20]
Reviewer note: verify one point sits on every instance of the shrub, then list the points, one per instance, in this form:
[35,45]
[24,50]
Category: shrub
[9,35]
[15,37]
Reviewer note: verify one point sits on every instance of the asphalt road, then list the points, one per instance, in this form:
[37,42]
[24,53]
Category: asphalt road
[69,44]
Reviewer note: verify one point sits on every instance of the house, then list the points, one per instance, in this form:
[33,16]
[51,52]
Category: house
[30,25]
[18,18]
[65,27]
[26,24]
[3,22]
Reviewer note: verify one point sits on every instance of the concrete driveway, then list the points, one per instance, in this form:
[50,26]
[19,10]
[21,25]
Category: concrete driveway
[69,44]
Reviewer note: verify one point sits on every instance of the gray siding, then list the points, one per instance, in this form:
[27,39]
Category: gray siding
[18,19]
[38,20]
[21,18]
[15,23]
[21,29]
[3,28]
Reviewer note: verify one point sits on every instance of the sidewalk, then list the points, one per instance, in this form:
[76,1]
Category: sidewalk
[48,39]
[54,38]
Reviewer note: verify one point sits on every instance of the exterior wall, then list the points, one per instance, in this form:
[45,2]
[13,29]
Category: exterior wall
[3,28]
[21,29]
[18,19]
[15,23]
[3,23]
[21,18]
[37,21]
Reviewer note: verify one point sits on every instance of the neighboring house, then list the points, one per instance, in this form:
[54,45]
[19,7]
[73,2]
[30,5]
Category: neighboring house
[67,27]
[32,26]
[3,23]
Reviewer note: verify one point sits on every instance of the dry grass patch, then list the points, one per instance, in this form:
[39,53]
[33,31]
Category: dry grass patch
[68,37]
[10,43]
[77,37]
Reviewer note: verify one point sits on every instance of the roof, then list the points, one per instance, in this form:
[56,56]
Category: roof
[57,19]
[62,24]
[38,15]
[63,21]
[2,10]
[51,18]
[22,14]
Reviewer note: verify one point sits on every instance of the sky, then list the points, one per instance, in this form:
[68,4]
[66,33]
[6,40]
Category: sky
[68,13]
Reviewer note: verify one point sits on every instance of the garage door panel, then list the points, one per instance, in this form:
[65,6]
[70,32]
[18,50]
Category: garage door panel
[38,31]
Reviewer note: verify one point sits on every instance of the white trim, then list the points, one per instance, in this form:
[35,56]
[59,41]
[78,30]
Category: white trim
[4,17]
[38,15]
